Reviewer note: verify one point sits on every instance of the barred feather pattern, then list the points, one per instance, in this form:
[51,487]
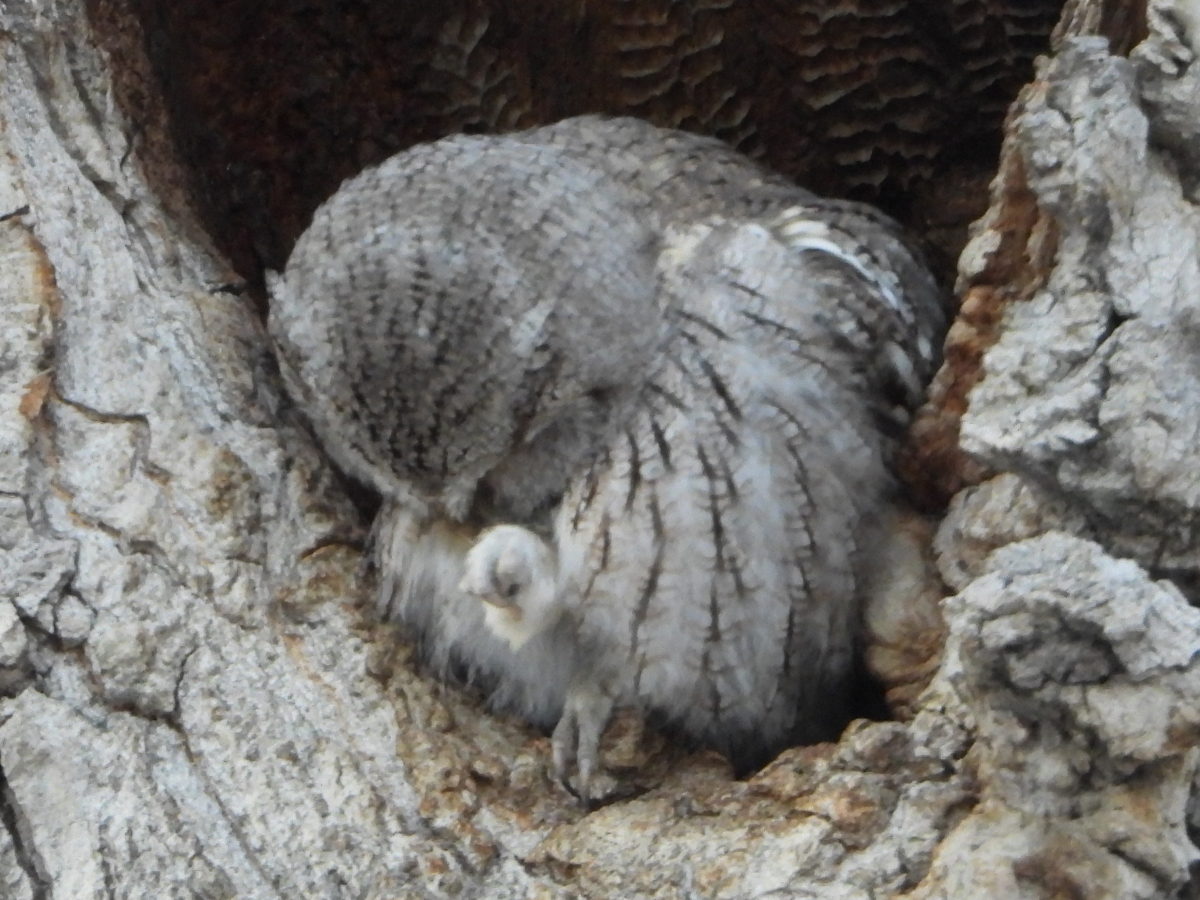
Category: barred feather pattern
[680,376]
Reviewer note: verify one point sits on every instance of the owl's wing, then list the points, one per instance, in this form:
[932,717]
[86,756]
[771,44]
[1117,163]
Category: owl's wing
[889,307]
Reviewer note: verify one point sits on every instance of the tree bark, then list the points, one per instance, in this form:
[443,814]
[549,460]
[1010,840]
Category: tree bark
[195,701]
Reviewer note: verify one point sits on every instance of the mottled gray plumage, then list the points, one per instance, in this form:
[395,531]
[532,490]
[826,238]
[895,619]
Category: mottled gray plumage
[664,380]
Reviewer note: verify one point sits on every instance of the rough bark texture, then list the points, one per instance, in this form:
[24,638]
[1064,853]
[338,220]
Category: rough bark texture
[195,704]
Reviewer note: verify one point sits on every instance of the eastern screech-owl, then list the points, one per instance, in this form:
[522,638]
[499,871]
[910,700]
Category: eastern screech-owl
[631,402]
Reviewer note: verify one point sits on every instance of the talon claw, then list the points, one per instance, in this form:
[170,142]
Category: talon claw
[576,740]
[563,745]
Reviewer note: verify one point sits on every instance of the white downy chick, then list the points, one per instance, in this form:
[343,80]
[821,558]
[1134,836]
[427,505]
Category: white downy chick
[514,573]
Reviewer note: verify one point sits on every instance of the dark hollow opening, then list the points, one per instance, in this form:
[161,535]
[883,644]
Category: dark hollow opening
[270,105]
[273,103]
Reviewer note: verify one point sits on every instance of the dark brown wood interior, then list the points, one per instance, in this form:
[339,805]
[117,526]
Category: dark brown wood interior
[273,103]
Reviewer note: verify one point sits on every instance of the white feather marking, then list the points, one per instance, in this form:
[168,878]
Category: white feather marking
[808,234]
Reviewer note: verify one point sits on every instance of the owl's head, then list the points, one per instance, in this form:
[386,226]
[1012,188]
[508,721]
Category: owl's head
[513,572]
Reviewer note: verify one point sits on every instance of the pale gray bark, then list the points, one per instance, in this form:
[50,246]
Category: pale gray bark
[195,704]
[1090,389]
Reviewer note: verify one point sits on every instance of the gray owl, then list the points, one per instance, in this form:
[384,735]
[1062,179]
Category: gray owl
[631,402]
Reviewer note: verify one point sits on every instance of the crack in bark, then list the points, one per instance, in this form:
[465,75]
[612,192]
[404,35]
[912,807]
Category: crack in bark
[28,858]
[251,858]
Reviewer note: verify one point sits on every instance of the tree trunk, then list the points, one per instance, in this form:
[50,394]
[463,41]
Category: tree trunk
[196,702]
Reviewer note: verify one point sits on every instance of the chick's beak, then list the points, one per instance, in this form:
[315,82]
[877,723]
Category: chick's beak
[469,586]
[497,601]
